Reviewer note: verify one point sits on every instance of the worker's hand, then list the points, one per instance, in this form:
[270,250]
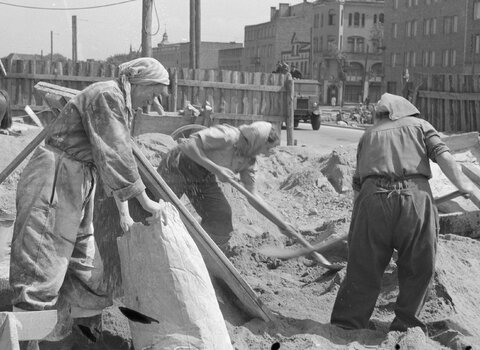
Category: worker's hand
[224,174]
[157,209]
[126,222]
[466,187]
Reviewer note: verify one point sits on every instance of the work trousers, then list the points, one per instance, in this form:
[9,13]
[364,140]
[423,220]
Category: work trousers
[389,215]
[53,249]
[185,176]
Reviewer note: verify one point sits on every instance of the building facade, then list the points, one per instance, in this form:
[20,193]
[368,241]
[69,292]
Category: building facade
[230,59]
[178,54]
[430,37]
[338,42]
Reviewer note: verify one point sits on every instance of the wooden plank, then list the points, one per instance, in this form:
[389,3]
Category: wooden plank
[235,102]
[221,85]
[290,109]
[246,117]
[263,94]
[472,171]
[256,96]
[447,105]
[209,91]
[226,94]
[165,124]
[54,77]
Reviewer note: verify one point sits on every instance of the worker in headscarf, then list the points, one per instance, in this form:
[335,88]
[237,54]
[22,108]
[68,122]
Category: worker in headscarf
[394,210]
[222,151]
[55,262]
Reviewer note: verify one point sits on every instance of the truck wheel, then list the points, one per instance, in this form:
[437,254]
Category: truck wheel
[315,120]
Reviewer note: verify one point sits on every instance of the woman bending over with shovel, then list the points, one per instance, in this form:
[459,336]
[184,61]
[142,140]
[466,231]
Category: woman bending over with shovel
[222,151]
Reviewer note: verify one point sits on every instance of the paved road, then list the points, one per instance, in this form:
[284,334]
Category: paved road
[327,138]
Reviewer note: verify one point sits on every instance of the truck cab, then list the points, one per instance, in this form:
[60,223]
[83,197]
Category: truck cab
[306,102]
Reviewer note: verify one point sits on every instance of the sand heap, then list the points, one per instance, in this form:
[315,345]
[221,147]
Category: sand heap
[312,191]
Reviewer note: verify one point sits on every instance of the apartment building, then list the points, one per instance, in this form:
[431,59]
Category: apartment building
[338,42]
[430,37]
[177,54]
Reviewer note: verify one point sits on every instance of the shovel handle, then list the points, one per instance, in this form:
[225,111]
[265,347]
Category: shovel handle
[448,196]
[273,217]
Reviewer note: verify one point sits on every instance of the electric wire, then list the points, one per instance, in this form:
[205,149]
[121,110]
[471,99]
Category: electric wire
[66,8]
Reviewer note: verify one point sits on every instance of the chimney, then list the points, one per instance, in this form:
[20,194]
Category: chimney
[273,12]
[284,10]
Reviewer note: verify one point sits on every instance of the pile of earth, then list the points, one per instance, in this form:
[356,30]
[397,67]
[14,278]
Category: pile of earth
[312,191]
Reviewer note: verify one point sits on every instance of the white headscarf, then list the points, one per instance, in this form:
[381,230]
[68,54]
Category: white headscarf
[141,71]
[397,106]
[256,135]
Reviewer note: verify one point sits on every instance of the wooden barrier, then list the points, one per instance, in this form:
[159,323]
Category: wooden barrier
[450,102]
[236,97]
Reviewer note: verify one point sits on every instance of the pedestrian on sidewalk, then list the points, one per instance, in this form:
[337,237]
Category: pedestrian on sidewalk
[220,151]
[55,263]
[394,210]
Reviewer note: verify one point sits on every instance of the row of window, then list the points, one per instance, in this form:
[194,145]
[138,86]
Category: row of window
[450,25]
[412,3]
[354,19]
[429,59]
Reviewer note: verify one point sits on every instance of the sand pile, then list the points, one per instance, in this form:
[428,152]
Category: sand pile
[312,191]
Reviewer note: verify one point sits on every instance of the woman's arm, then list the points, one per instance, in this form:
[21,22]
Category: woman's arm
[450,168]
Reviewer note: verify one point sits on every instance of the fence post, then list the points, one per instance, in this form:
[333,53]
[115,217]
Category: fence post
[290,109]
[174,96]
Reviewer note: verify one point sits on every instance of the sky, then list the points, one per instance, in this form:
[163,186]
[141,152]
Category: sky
[105,31]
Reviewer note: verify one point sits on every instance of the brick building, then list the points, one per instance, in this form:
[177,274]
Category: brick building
[338,42]
[430,36]
[177,54]
[230,59]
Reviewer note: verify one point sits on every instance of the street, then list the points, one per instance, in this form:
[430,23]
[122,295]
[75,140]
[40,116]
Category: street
[326,138]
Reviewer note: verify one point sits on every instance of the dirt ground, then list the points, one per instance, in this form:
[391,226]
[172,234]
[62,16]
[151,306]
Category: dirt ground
[312,191]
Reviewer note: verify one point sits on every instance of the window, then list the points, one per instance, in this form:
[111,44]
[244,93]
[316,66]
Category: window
[394,59]
[394,30]
[331,17]
[447,25]
[425,58]
[355,44]
[426,27]
[363,20]
[381,18]
[455,24]
[433,26]
[408,29]
[413,58]
[320,44]
[315,20]
[406,59]
[414,28]
[315,44]
[341,18]
[356,19]
[374,18]
[453,57]
[395,4]
[477,43]
[350,16]
[321,20]
[446,55]
[476,10]
[432,58]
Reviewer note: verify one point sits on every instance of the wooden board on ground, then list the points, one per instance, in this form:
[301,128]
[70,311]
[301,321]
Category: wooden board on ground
[216,262]
[35,325]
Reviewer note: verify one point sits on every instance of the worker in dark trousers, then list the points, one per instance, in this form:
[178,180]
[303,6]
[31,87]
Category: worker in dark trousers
[220,151]
[394,210]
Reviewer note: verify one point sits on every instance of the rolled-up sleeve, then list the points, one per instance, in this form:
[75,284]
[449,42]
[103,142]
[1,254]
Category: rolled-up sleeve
[106,123]
[435,145]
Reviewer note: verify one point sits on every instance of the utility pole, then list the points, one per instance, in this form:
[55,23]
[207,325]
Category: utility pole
[193,41]
[51,46]
[365,77]
[197,33]
[147,28]
[74,39]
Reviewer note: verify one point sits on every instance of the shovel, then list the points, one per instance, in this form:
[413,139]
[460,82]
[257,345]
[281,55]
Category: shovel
[282,253]
[273,217]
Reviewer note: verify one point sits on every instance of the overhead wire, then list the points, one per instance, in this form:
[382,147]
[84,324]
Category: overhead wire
[65,8]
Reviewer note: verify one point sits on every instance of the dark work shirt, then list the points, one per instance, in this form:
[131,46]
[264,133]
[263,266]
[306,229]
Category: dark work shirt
[398,149]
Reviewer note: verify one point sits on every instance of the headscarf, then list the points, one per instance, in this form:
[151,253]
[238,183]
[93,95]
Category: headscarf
[397,106]
[256,135]
[141,71]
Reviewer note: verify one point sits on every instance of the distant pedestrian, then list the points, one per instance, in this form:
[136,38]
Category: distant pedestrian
[333,101]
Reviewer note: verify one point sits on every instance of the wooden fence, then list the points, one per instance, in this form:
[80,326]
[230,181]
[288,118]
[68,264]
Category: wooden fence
[450,102]
[241,97]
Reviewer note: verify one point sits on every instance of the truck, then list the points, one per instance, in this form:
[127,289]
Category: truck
[306,102]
